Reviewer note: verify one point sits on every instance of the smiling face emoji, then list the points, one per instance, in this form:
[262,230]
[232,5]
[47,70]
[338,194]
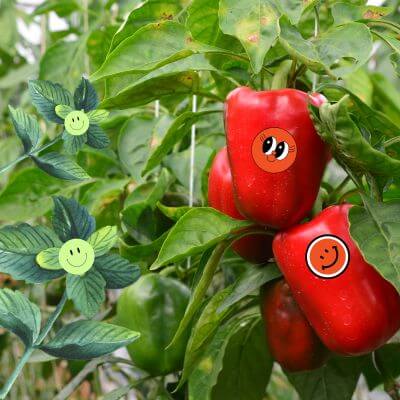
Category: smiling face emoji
[76,256]
[76,123]
[274,150]
[327,256]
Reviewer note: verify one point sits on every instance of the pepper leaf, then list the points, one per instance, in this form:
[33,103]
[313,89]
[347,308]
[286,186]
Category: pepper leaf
[48,259]
[60,166]
[83,340]
[26,127]
[19,245]
[85,96]
[376,232]
[198,230]
[103,240]
[254,23]
[87,291]
[117,271]
[336,127]
[71,220]
[19,315]
[46,96]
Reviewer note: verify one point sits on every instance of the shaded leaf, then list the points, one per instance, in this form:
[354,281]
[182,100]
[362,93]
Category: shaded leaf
[71,220]
[20,316]
[86,291]
[97,138]
[117,271]
[83,340]
[46,96]
[73,143]
[85,96]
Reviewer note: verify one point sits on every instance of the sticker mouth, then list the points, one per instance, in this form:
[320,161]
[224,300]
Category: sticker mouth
[334,261]
[80,265]
[77,129]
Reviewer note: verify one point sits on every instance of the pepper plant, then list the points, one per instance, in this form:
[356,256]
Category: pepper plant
[129,151]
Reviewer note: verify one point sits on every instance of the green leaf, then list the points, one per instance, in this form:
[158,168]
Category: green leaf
[20,316]
[28,194]
[158,44]
[69,72]
[198,230]
[203,332]
[293,9]
[203,21]
[62,8]
[134,143]
[71,220]
[63,110]
[177,78]
[117,271]
[83,340]
[174,213]
[149,11]
[72,144]
[103,240]
[248,379]
[46,96]
[60,166]
[87,291]
[348,143]
[19,246]
[97,116]
[376,233]
[85,97]
[97,138]
[335,380]
[26,127]
[176,132]
[251,280]
[338,51]
[48,259]
[254,23]
[347,12]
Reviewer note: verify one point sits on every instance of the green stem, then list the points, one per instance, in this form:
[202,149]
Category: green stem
[391,141]
[27,155]
[29,350]
[339,188]
[389,383]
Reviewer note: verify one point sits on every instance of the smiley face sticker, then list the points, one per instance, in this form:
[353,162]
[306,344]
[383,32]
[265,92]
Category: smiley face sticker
[274,150]
[327,256]
[76,123]
[76,256]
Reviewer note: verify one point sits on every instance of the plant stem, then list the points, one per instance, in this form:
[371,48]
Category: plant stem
[339,188]
[27,155]
[29,350]
[390,385]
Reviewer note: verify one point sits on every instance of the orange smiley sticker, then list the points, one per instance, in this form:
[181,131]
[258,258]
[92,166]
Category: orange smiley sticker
[274,150]
[327,256]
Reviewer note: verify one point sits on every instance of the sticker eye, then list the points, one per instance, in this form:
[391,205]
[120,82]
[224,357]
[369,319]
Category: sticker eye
[71,252]
[77,118]
[282,150]
[79,250]
[269,145]
[73,120]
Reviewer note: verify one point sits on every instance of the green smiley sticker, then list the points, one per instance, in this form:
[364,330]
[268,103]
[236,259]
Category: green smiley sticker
[76,123]
[76,256]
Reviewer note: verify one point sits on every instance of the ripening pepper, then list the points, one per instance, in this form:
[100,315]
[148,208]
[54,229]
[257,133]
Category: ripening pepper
[277,158]
[351,307]
[253,248]
[154,306]
[291,339]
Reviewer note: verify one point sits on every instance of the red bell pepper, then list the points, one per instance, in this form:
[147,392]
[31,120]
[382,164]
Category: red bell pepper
[290,337]
[276,156]
[352,308]
[255,248]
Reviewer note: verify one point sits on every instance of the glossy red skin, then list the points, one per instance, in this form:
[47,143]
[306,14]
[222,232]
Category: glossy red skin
[282,199]
[353,313]
[291,339]
[256,249]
